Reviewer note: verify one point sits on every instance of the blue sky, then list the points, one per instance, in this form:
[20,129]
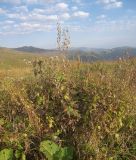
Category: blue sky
[92,23]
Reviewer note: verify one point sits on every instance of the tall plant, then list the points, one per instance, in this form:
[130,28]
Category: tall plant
[63,39]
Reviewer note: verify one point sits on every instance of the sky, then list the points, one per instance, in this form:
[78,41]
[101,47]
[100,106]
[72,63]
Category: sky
[91,23]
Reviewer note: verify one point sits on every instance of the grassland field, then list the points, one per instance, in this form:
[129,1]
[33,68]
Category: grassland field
[55,109]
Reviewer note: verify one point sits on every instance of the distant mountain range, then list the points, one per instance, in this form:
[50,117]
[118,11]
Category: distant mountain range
[85,54]
[91,54]
[33,49]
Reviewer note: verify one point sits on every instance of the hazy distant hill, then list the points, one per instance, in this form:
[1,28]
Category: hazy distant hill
[32,49]
[87,49]
[120,52]
[85,54]
[91,54]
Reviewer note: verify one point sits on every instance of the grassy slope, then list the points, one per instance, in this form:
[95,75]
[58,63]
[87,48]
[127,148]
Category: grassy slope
[13,59]
[15,63]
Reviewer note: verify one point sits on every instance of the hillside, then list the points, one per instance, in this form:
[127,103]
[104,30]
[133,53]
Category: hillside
[116,53]
[85,54]
[92,54]
[10,58]
[31,49]
[15,63]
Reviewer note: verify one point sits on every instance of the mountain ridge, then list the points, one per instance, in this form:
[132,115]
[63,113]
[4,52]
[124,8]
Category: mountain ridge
[85,53]
[33,49]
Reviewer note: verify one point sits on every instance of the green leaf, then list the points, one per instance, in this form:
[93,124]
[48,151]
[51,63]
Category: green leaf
[53,152]
[49,148]
[6,154]
[65,153]
[18,154]
[23,156]
[2,121]
[71,111]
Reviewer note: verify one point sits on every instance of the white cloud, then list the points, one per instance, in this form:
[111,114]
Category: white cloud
[42,17]
[24,27]
[102,16]
[81,14]
[116,26]
[11,1]
[51,17]
[74,8]
[21,9]
[21,18]
[79,2]
[15,2]
[2,11]
[17,16]
[39,11]
[65,16]
[62,6]
[111,3]
[31,1]
[9,22]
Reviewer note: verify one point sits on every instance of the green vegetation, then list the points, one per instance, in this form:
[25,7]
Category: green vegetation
[53,152]
[68,110]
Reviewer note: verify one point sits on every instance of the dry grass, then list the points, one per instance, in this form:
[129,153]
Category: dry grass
[15,72]
[91,107]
